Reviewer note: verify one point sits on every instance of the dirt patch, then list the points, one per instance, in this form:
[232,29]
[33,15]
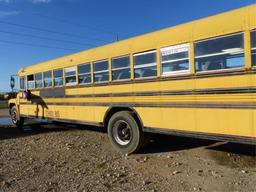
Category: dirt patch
[60,158]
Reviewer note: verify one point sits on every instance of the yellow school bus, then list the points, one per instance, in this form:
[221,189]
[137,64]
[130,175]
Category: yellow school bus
[197,79]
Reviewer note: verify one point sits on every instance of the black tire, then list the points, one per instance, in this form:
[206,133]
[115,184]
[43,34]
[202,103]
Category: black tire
[125,133]
[17,121]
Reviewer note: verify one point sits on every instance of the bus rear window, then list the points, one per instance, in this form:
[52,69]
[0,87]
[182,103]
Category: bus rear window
[145,64]
[220,53]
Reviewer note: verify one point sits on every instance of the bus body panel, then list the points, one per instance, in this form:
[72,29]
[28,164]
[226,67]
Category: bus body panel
[206,112]
[213,102]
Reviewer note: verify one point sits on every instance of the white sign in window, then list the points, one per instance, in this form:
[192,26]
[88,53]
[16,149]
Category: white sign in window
[175,59]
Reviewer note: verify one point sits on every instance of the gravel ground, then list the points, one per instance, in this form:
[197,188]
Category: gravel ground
[80,158]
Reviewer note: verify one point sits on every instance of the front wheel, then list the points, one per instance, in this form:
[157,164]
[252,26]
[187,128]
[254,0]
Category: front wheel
[124,132]
[16,119]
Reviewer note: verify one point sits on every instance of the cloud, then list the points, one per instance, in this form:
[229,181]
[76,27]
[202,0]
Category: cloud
[5,1]
[39,1]
[8,13]
[31,1]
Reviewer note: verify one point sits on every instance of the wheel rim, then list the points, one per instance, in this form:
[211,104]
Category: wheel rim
[14,116]
[122,132]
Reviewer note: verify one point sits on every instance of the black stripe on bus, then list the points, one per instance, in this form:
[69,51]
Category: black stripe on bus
[237,105]
[170,93]
[244,90]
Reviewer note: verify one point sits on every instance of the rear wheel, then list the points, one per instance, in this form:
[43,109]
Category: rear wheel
[124,132]
[16,119]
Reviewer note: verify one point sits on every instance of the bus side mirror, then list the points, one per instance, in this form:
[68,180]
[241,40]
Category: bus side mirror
[12,82]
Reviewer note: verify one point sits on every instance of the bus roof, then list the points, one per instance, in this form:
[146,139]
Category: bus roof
[225,23]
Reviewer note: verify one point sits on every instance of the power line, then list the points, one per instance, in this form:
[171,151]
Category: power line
[46,38]
[73,23]
[61,20]
[36,45]
[51,31]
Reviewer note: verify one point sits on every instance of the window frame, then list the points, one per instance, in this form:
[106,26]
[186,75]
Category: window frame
[58,77]
[99,72]
[44,79]
[74,83]
[155,64]
[89,73]
[180,72]
[121,68]
[208,55]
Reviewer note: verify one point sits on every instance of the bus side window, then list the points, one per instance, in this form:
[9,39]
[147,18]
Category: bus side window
[220,53]
[39,80]
[84,73]
[101,73]
[48,79]
[58,77]
[121,68]
[145,64]
[175,59]
[253,45]
[22,83]
[70,76]
[31,81]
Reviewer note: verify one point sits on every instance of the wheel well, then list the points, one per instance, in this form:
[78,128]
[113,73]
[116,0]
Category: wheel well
[113,110]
